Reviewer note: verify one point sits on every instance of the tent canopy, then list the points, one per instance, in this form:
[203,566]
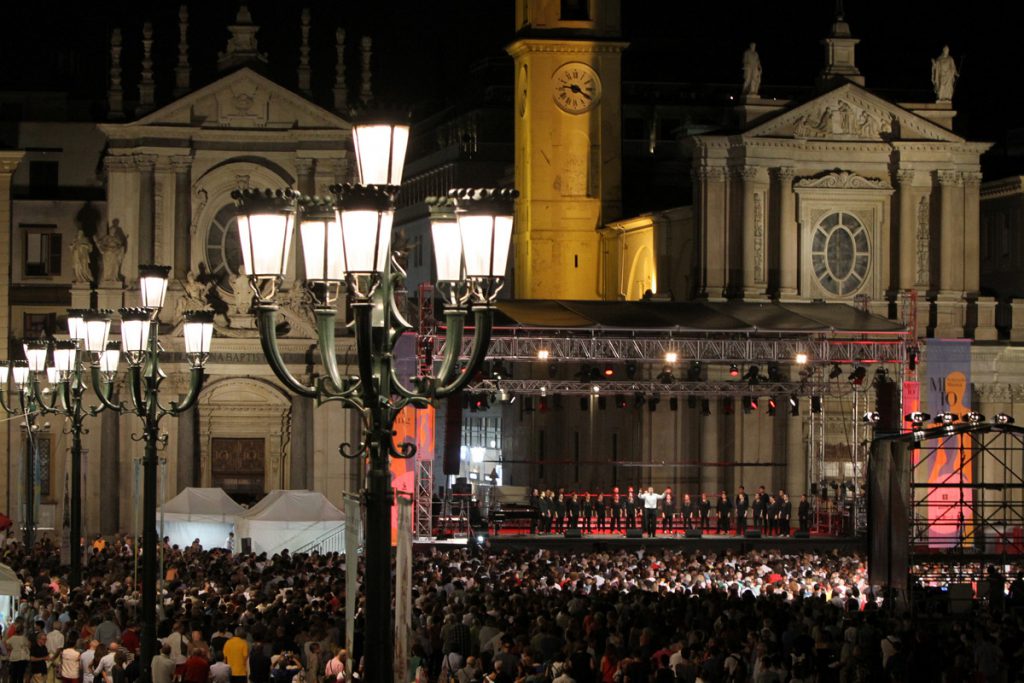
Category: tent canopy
[196,501]
[289,520]
[206,514]
[10,584]
[293,506]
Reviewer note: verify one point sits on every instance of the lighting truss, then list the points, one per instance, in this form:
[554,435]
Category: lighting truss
[548,387]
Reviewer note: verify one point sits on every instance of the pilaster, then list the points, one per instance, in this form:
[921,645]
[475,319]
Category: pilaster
[144,165]
[182,167]
[711,181]
[9,161]
[755,233]
[907,227]
[789,247]
[950,306]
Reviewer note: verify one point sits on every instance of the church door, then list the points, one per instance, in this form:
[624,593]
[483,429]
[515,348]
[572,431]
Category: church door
[237,467]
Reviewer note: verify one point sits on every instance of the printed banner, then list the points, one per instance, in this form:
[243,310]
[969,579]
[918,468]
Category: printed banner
[416,427]
[949,459]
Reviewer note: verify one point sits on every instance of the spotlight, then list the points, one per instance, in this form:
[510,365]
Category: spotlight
[503,396]
[872,417]
[552,370]
[609,371]
[734,371]
[773,372]
[945,418]
[917,418]
[835,372]
[1003,419]
[620,401]
[693,373]
[543,404]
[816,405]
[544,390]
[666,376]
[974,417]
[543,354]
[801,358]
[673,403]
[653,402]
[705,407]
[794,405]
[771,406]
[638,400]
[671,357]
[857,376]
[691,401]
[753,374]
[912,358]
[727,405]
[596,389]
[630,370]
[499,371]
[749,403]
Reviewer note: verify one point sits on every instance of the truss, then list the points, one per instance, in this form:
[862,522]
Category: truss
[551,387]
[610,347]
[423,502]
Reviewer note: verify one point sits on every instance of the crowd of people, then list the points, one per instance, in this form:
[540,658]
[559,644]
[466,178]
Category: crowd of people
[510,616]
[769,513]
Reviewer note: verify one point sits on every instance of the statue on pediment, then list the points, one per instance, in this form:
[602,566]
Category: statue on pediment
[944,75]
[751,72]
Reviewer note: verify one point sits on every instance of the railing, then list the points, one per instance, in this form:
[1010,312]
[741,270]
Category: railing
[331,542]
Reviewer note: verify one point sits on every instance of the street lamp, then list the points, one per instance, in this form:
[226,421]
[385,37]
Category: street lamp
[353,246]
[90,350]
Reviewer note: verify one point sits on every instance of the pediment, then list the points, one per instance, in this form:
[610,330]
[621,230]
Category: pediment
[850,112]
[243,100]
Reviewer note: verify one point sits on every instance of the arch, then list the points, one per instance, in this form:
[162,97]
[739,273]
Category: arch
[641,274]
[246,408]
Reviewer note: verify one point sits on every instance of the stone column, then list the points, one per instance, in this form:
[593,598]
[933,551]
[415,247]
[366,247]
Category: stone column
[713,230]
[710,450]
[951,274]
[110,472]
[8,163]
[186,472]
[299,474]
[908,229]
[789,235]
[755,237]
[182,165]
[305,182]
[145,163]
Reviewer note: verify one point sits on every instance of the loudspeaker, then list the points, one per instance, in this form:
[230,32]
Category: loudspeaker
[801,534]
[444,536]
[752,533]
[634,533]
[693,533]
[573,533]
[246,545]
[452,435]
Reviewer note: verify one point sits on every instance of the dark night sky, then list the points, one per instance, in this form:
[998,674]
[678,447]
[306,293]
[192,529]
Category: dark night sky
[423,49]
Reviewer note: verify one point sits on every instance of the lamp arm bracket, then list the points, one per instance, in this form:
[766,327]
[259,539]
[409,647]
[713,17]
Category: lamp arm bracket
[3,400]
[482,319]
[266,320]
[195,385]
[401,389]
[326,343]
[455,322]
[404,451]
[345,450]
[103,391]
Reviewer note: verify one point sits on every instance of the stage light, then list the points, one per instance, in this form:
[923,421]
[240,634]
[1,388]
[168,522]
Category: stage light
[653,402]
[666,376]
[691,401]
[749,403]
[638,400]
[671,357]
[1003,419]
[693,373]
[673,403]
[835,372]
[609,371]
[596,389]
[620,401]
[815,405]
[801,358]
[630,370]
[752,375]
[773,372]
[794,405]
[552,370]
[499,371]
[542,354]
[946,418]
[771,406]
[734,371]
[872,417]
[543,391]
[857,376]
[705,407]
[543,404]
[503,396]
[974,417]
[917,418]
[912,358]
[727,405]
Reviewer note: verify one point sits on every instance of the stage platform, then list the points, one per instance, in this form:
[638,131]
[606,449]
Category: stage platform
[709,543]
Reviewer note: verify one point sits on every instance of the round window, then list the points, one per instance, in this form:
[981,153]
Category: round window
[223,250]
[840,253]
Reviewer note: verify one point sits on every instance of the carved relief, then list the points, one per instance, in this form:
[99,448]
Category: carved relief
[923,237]
[201,196]
[244,104]
[844,180]
[842,118]
[159,216]
[758,238]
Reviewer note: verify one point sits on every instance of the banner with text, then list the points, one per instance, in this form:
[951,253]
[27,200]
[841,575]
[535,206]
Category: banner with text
[947,462]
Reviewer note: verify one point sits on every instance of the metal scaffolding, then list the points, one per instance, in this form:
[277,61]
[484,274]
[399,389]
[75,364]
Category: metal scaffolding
[424,502]
[705,389]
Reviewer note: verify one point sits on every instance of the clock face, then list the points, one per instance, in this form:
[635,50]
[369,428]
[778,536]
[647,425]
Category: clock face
[577,87]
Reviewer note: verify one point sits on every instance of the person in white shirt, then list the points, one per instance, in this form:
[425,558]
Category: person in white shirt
[87,659]
[650,499]
[70,663]
[105,668]
[220,672]
[55,639]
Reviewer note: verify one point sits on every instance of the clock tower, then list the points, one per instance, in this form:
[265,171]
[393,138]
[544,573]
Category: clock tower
[568,143]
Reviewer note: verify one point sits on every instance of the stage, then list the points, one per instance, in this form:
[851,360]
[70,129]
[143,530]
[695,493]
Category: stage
[709,543]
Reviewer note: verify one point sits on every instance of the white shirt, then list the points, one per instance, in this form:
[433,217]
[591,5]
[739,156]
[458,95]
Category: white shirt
[86,660]
[54,641]
[105,666]
[651,500]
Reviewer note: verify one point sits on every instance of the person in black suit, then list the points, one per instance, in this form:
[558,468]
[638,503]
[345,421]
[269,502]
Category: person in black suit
[599,512]
[545,512]
[534,510]
[616,507]
[724,509]
[704,510]
[629,507]
[686,512]
[773,515]
[559,512]
[761,510]
[587,510]
[668,511]
[804,513]
[785,513]
[742,505]
[572,511]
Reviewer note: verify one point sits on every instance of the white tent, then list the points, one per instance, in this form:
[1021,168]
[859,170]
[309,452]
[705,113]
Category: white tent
[206,514]
[289,520]
[10,592]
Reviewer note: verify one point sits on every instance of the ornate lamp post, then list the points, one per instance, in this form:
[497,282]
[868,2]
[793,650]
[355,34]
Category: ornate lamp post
[346,239]
[90,349]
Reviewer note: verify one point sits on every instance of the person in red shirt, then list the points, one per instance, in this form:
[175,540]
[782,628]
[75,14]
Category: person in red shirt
[130,638]
[197,667]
